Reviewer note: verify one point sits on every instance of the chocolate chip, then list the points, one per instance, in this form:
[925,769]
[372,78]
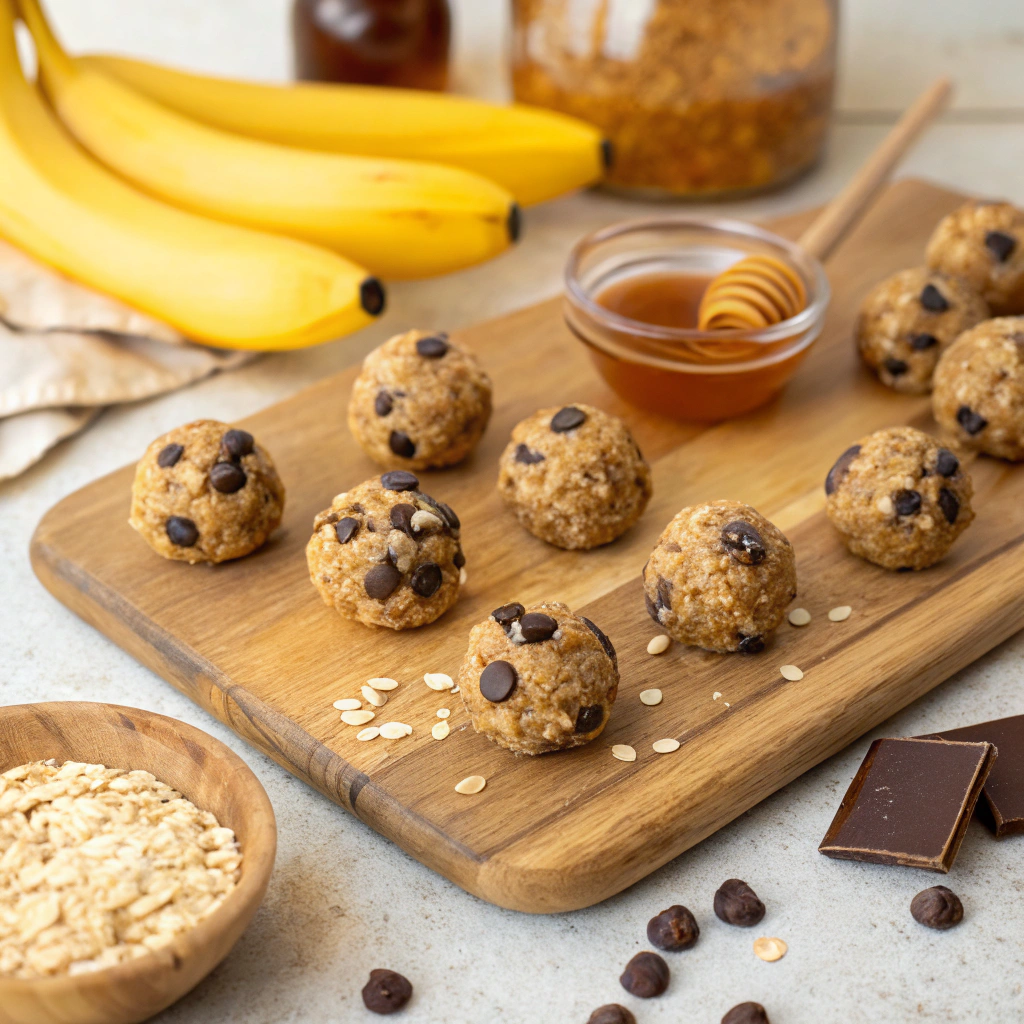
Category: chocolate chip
[664,593]
[371,526]
[938,907]
[946,463]
[498,681]
[1000,244]
[345,529]
[744,543]
[383,403]
[380,581]
[507,614]
[401,517]
[568,418]
[906,503]
[537,627]
[169,455]
[386,992]
[402,444]
[652,608]
[920,342]
[399,480]
[646,975]
[971,421]
[750,644]
[746,1013]
[443,510]
[589,718]
[426,579]
[527,457]
[182,531]
[673,929]
[227,477]
[840,469]
[933,300]
[458,559]
[950,505]
[236,443]
[609,649]
[612,1013]
[895,367]
[736,903]
[433,347]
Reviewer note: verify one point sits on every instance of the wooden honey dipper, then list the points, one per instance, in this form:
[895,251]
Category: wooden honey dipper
[761,290]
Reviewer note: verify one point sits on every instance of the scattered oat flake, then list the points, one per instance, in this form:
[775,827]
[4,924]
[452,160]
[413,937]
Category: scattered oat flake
[659,644]
[382,683]
[470,784]
[357,717]
[393,730]
[440,730]
[623,752]
[438,681]
[443,712]
[348,704]
[770,949]
[715,695]
[666,746]
[455,689]
[727,704]
[378,700]
[840,614]
[650,697]
[368,734]
[799,617]
[792,673]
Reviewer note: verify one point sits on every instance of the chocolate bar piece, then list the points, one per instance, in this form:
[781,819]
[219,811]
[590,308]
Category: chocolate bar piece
[910,803]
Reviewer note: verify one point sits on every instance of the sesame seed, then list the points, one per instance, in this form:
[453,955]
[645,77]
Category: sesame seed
[659,644]
[792,673]
[357,717]
[623,752]
[382,683]
[799,617]
[368,734]
[348,704]
[841,613]
[666,746]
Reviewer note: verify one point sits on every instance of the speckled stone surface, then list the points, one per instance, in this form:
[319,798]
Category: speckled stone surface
[343,900]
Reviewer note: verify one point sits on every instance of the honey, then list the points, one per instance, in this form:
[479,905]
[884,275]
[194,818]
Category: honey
[665,298]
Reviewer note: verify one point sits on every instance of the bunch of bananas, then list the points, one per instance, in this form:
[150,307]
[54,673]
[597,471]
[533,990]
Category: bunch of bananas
[260,216]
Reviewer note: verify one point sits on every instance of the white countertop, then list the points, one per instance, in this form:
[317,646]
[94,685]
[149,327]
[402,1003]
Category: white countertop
[343,900]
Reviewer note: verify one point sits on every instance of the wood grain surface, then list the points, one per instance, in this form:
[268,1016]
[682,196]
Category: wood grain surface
[251,642]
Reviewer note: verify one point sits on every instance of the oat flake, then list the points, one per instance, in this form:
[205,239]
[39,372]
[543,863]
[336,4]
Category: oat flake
[395,730]
[666,746]
[378,700]
[650,697]
[792,673]
[841,613]
[799,617]
[357,717]
[382,683]
[438,681]
[715,695]
[470,785]
[368,734]
[443,712]
[348,704]
[623,752]
[440,730]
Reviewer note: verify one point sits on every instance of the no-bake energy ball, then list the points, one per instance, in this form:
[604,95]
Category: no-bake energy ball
[419,403]
[983,241]
[720,577]
[538,679]
[899,498]
[574,476]
[979,388]
[386,554]
[909,319]
[206,493]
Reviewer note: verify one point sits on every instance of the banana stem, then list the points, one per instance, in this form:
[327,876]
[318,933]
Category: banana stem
[52,58]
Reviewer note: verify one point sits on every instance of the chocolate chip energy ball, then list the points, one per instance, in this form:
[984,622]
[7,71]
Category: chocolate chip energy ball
[574,477]
[909,319]
[979,388]
[538,679]
[720,577]
[386,554]
[983,241]
[899,498]
[419,403]
[206,493]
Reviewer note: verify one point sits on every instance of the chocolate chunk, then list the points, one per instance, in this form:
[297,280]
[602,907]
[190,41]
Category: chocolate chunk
[906,503]
[664,593]
[933,300]
[744,543]
[380,581]
[386,992]
[609,649]
[567,419]
[399,480]
[646,976]
[458,559]
[946,463]
[746,1013]
[537,627]
[736,903]
[921,342]
[840,469]
[507,614]
[910,803]
[432,347]
[673,929]
[589,718]
[371,526]
[938,907]
[950,505]
[612,1013]
[426,579]
[971,421]
[443,510]
[401,517]
[182,531]
[750,644]
[1000,244]
[402,444]
[498,681]
[345,529]
[895,367]
[237,443]
[652,609]
[169,455]
[527,457]
[383,403]
[227,477]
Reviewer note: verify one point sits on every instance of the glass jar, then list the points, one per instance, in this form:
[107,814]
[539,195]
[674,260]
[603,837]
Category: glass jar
[699,97]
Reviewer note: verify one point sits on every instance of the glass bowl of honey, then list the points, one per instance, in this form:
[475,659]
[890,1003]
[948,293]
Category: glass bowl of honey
[632,296]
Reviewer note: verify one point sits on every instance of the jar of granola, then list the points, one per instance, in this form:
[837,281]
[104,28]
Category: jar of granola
[699,97]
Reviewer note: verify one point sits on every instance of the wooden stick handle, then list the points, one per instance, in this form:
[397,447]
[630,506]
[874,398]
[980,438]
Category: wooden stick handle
[844,211]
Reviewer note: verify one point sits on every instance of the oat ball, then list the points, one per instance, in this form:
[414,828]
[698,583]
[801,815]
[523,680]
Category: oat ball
[979,388]
[419,403]
[983,242]
[899,498]
[205,492]
[720,577]
[538,679]
[909,319]
[574,476]
[385,554]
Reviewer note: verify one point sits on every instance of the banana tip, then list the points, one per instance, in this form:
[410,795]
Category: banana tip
[515,222]
[371,296]
[607,154]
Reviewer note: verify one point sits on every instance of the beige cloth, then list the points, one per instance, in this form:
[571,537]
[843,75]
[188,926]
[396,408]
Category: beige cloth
[66,352]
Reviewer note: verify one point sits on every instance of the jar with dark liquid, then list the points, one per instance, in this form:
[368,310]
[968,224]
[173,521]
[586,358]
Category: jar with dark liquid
[401,43]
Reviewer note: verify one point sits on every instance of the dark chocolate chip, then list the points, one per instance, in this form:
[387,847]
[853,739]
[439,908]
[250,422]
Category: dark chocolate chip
[528,457]
[380,581]
[345,529]
[399,480]
[933,300]
[1000,244]
[906,503]
[589,718]
[498,681]
[169,455]
[507,614]
[227,477]
[537,627]
[895,367]
[746,1013]
[646,976]
[750,644]
[938,907]
[840,469]
[458,559]
[609,648]
[946,463]
[612,1013]
[448,514]
[950,505]
[971,421]
[372,296]
[383,403]
[401,517]
[426,579]
[182,531]
[652,608]
[568,418]
[673,929]
[237,443]
[743,543]
[920,342]
[386,992]
[736,903]
[664,593]
[402,444]
[433,347]
[371,526]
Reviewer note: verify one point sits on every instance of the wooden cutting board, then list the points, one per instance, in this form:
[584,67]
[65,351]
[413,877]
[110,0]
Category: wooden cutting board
[252,643]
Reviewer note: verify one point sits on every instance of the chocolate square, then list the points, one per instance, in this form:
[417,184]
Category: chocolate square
[910,803]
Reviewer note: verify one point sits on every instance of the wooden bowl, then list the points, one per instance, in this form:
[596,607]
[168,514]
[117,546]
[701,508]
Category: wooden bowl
[214,779]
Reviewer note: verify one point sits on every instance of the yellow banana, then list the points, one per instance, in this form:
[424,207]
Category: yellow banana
[536,154]
[219,284]
[398,218]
